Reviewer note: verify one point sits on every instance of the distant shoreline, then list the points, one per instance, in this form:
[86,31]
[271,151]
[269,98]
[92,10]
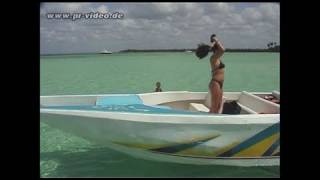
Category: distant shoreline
[68,54]
[193,50]
[276,49]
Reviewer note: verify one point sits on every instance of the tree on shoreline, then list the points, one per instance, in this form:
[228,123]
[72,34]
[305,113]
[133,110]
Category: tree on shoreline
[272,46]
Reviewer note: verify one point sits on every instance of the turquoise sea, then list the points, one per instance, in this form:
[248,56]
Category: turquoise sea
[64,155]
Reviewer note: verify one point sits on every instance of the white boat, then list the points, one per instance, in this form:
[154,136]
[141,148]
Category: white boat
[173,126]
[188,51]
[105,52]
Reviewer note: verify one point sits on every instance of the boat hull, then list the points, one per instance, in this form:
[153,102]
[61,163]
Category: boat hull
[187,139]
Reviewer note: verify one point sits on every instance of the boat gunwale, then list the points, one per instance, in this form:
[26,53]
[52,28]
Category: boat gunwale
[124,94]
[158,117]
[169,118]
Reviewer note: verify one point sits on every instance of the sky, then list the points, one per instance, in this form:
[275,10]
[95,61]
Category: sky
[158,26]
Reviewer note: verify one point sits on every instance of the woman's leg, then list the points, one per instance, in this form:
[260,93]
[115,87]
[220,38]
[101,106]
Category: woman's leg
[220,100]
[216,97]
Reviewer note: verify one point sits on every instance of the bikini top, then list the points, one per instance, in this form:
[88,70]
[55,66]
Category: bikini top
[221,66]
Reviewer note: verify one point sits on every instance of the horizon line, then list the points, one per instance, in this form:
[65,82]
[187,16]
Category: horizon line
[184,49]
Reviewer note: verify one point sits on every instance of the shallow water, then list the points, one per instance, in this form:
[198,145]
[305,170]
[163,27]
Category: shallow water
[64,155]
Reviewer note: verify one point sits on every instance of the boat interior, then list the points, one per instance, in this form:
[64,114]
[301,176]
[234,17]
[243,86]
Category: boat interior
[250,103]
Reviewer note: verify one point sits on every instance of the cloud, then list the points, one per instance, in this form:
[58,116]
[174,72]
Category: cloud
[102,9]
[159,25]
[66,7]
[218,8]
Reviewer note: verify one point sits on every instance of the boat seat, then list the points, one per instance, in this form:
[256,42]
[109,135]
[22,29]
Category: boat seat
[250,111]
[258,104]
[198,107]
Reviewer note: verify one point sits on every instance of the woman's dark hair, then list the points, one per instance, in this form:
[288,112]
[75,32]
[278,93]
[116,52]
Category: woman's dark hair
[202,50]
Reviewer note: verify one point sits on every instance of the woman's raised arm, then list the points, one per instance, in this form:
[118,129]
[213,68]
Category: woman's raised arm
[218,52]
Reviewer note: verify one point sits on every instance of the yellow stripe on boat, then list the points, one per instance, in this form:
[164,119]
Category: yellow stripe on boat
[259,148]
[169,145]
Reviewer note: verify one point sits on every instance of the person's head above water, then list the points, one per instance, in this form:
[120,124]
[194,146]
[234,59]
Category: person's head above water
[158,84]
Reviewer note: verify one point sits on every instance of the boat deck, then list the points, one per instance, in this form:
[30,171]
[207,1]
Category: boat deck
[132,108]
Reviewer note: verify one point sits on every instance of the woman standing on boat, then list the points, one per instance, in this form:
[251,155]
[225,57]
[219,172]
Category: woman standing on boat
[217,71]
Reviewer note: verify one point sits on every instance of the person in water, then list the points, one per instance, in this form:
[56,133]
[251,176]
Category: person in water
[158,89]
[217,71]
